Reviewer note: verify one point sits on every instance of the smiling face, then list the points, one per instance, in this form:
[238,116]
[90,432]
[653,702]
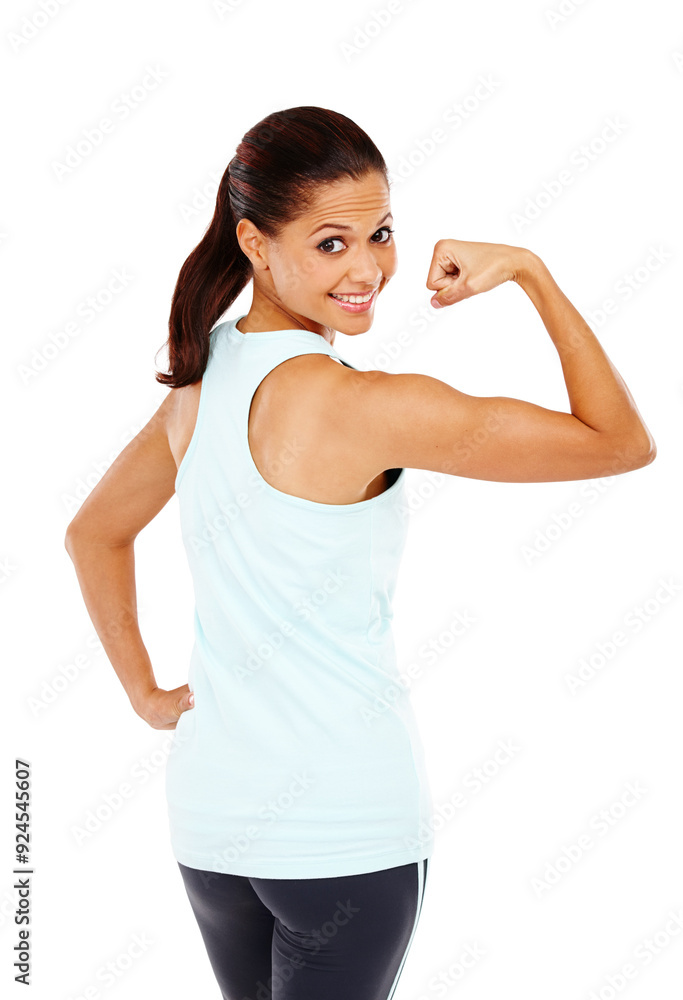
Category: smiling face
[342,246]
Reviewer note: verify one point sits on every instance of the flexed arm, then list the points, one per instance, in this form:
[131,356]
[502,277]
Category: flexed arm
[422,422]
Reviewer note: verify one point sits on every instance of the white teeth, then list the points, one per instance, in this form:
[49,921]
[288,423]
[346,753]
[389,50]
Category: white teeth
[354,299]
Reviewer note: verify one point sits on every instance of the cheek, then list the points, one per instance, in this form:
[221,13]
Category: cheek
[294,278]
[321,275]
[312,275]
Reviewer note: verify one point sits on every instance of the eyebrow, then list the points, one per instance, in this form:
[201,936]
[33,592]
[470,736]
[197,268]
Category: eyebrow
[338,225]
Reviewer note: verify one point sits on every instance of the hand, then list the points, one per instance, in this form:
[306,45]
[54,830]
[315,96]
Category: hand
[161,709]
[460,269]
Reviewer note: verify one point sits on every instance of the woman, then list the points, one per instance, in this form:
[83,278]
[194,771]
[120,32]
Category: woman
[299,806]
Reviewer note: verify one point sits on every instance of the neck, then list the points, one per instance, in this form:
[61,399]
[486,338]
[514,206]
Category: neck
[265,314]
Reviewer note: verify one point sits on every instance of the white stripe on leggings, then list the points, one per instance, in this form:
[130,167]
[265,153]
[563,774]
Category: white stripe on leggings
[421,878]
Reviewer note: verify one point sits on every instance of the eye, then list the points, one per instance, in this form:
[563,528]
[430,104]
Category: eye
[385,229]
[338,239]
[332,239]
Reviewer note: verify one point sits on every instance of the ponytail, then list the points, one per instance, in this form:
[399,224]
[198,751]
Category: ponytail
[209,281]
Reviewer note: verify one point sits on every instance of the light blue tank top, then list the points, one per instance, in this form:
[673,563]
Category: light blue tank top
[301,757]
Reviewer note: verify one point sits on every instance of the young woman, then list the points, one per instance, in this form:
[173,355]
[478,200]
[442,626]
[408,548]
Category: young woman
[296,785]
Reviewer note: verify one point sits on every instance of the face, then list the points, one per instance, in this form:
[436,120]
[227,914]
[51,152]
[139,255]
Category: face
[342,246]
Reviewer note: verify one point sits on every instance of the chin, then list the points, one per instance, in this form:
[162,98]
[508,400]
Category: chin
[354,326]
[353,333]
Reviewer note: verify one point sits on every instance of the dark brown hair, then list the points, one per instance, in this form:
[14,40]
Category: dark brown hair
[270,180]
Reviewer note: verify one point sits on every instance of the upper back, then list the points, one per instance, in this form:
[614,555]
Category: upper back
[256,551]
[305,398]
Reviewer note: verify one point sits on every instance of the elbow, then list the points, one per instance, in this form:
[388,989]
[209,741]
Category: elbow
[648,449]
[82,537]
[651,451]
[75,537]
[70,539]
[648,457]
[636,453]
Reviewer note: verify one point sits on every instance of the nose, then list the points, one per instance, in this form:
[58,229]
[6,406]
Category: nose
[364,269]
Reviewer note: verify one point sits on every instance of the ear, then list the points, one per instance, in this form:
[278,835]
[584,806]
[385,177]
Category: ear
[253,244]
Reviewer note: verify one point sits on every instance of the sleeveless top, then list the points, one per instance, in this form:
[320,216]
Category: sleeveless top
[301,757]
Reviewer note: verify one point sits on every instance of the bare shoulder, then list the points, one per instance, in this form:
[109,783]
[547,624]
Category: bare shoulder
[303,380]
[181,417]
[347,414]
[374,397]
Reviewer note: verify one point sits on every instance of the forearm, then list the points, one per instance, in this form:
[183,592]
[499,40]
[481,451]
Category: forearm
[106,576]
[598,396]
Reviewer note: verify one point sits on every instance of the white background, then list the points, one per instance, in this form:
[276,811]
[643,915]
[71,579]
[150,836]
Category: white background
[562,72]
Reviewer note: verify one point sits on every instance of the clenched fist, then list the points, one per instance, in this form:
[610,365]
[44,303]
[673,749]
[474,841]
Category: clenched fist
[460,269]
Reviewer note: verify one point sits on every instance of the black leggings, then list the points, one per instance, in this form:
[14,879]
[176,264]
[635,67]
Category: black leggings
[341,938]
